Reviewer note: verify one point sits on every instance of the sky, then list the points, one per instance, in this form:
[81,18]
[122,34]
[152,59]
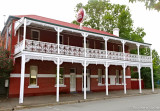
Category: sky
[64,10]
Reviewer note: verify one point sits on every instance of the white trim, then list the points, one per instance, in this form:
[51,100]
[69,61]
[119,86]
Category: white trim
[67,76]
[33,86]
[60,85]
[19,75]
[93,76]
[78,76]
[46,75]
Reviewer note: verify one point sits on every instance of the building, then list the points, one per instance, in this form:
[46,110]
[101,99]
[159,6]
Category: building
[52,57]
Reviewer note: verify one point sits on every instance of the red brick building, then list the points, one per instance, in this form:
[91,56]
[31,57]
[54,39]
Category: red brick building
[52,57]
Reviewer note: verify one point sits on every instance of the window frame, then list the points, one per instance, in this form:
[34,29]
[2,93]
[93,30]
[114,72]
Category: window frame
[35,31]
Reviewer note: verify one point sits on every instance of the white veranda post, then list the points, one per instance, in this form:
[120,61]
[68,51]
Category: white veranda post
[22,79]
[139,73]
[152,79]
[138,51]
[106,66]
[85,79]
[57,92]
[124,77]
[58,29]
[123,42]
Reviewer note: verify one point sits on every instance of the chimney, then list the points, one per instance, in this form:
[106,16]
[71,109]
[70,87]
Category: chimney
[116,31]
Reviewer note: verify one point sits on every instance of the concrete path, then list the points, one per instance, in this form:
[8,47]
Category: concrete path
[134,103]
[50,100]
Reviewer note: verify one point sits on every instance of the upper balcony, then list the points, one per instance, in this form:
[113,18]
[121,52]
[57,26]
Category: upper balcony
[52,48]
[42,37]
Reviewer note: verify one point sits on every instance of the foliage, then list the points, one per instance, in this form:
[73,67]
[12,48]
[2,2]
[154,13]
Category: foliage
[6,63]
[102,15]
[151,4]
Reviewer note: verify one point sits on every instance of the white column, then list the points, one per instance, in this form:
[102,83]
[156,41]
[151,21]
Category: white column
[24,34]
[139,73]
[58,40]
[84,42]
[57,92]
[152,79]
[106,66]
[123,42]
[124,79]
[138,51]
[22,79]
[106,39]
[85,79]
[7,39]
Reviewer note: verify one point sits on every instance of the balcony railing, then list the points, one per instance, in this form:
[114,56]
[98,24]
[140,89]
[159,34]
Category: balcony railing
[52,48]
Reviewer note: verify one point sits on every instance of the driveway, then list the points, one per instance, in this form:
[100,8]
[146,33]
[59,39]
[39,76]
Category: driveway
[133,103]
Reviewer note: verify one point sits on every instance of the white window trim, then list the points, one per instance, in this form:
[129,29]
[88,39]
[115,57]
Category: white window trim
[100,84]
[35,31]
[101,77]
[118,78]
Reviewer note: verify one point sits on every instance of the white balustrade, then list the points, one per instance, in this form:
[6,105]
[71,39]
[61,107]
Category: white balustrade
[131,57]
[42,47]
[96,53]
[52,48]
[71,50]
[115,55]
[145,58]
[18,47]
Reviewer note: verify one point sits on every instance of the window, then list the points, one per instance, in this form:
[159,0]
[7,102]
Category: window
[122,76]
[119,48]
[61,39]
[35,34]
[100,76]
[113,47]
[33,75]
[87,71]
[94,44]
[102,46]
[61,76]
[117,76]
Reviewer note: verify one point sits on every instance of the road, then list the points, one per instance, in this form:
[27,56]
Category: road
[134,103]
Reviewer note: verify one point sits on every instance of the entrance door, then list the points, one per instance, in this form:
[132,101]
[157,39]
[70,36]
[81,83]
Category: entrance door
[72,80]
[87,80]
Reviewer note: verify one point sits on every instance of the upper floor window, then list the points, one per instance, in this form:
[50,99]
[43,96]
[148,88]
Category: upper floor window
[35,34]
[102,46]
[61,39]
[119,48]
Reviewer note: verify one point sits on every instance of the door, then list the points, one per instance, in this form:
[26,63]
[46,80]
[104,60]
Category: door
[72,80]
[87,80]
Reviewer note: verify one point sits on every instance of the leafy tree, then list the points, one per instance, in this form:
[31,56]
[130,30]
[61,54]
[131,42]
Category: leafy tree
[151,4]
[102,15]
[6,63]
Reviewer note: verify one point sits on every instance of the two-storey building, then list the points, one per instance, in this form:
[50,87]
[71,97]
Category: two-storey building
[53,57]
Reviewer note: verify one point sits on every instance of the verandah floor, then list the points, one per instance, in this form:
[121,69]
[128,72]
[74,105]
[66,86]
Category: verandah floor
[37,101]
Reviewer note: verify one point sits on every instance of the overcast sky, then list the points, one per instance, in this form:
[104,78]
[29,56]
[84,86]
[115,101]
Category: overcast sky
[64,10]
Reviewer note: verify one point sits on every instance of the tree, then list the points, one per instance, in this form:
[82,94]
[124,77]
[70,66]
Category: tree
[151,4]
[6,63]
[105,16]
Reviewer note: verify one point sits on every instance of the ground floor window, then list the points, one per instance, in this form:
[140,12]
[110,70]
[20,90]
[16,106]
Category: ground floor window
[33,75]
[100,76]
[117,76]
[61,76]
